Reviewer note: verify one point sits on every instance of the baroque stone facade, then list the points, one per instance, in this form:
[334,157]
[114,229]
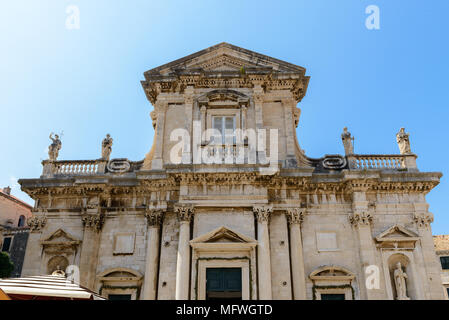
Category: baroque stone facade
[242,203]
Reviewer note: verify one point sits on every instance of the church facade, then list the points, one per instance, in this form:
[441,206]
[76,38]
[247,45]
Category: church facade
[226,204]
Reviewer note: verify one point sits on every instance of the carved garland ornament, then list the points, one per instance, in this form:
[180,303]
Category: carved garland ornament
[361,218]
[263,213]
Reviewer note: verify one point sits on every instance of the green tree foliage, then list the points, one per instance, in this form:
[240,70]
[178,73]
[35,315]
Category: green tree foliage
[6,266]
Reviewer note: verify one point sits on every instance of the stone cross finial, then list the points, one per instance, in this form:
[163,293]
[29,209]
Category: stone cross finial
[106,147]
[55,146]
[347,141]
[402,138]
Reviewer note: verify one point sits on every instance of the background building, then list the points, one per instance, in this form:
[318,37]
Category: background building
[14,230]
[206,216]
[442,252]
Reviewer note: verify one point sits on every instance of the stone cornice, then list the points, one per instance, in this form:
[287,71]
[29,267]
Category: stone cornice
[301,179]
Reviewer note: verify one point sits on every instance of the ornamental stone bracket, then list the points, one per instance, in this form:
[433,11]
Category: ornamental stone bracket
[185,212]
[361,218]
[295,215]
[263,212]
[36,223]
[423,219]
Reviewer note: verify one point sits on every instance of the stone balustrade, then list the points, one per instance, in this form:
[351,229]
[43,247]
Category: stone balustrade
[73,167]
[226,153]
[382,162]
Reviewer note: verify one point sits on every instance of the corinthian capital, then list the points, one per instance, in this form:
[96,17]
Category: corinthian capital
[154,217]
[359,218]
[185,212]
[423,219]
[93,221]
[36,223]
[295,215]
[263,212]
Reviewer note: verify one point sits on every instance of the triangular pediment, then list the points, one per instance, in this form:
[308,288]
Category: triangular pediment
[60,236]
[222,235]
[225,57]
[397,233]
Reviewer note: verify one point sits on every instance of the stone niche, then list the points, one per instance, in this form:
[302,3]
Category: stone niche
[60,250]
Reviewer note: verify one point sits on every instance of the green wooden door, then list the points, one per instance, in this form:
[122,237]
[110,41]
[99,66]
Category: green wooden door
[222,281]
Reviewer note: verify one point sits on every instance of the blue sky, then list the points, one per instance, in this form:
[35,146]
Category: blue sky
[86,82]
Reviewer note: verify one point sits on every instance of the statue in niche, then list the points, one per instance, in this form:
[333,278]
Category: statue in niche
[399,280]
[347,141]
[403,141]
[106,147]
[53,149]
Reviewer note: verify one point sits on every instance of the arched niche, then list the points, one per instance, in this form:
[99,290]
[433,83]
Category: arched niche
[332,282]
[406,267]
[57,263]
[119,282]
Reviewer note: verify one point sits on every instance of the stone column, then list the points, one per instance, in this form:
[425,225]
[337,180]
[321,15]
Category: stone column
[185,214]
[188,103]
[160,109]
[203,123]
[361,220]
[290,131]
[295,218]
[263,251]
[93,224]
[258,108]
[432,282]
[33,253]
[154,219]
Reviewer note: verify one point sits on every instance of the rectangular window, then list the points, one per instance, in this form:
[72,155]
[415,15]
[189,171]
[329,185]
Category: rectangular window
[225,127]
[444,263]
[6,244]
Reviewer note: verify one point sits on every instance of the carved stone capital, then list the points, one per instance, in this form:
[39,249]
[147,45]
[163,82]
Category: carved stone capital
[360,218]
[94,221]
[295,215]
[36,223]
[185,212]
[154,217]
[258,97]
[423,219]
[263,212]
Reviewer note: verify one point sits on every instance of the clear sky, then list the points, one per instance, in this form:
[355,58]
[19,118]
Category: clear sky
[86,82]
